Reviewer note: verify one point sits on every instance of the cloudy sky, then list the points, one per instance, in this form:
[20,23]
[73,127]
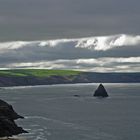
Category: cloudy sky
[102,35]
[49,19]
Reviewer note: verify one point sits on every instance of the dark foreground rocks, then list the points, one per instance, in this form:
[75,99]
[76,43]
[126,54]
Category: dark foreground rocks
[8,127]
[100,91]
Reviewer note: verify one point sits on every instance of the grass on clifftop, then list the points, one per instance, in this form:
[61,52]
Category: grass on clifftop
[37,72]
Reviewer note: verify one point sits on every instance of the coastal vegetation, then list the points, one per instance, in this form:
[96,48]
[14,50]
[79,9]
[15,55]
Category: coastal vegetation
[30,77]
[37,72]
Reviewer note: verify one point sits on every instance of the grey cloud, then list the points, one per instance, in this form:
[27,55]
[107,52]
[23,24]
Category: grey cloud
[69,49]
[45,19]
[96,65]
[50,19]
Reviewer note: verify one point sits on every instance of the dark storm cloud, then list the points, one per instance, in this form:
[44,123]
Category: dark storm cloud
[43,19]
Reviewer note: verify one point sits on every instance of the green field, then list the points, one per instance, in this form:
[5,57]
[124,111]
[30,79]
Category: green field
[37,72]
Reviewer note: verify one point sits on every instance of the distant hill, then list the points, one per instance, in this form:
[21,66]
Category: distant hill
[25,77]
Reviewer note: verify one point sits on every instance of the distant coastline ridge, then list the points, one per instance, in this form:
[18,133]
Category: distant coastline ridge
[31,77]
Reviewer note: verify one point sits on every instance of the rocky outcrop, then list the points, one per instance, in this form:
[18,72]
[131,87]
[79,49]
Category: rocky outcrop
[8,127]
[100,92]
[8,111]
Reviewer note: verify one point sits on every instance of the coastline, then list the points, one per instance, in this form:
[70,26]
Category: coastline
[84,77]
[61,85]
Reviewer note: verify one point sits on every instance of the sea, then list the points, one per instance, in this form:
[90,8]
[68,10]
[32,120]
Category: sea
[53,112]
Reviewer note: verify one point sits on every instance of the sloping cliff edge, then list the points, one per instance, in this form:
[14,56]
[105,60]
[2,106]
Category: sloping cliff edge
[83,77]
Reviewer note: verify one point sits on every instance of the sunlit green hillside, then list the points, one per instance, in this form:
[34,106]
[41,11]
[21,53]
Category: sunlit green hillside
[37,72]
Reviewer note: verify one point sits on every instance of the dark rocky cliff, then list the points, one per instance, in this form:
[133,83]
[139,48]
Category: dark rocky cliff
[8,127]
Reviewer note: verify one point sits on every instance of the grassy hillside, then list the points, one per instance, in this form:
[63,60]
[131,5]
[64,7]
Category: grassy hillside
[26,77]
[37,72]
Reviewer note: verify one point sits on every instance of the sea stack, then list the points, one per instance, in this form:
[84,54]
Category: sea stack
[100,91]
[8,127]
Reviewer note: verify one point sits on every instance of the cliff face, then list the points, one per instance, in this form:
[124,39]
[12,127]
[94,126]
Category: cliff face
[24,81]
[8,126]
[28,80]
[69,79]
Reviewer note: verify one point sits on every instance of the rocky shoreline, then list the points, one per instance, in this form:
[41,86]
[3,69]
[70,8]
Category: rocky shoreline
[8,126]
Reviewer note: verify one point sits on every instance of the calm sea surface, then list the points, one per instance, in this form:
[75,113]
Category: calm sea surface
[54,113]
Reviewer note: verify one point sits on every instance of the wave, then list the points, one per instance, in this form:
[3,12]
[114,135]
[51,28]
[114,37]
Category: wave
[41,129]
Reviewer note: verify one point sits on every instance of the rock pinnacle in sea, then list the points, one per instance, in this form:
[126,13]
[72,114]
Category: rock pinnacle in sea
[100,91]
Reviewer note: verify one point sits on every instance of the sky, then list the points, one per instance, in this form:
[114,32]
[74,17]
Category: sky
[92,35]
[51,19]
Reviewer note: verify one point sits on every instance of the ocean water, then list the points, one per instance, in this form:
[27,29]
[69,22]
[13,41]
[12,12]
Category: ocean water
[54,113]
